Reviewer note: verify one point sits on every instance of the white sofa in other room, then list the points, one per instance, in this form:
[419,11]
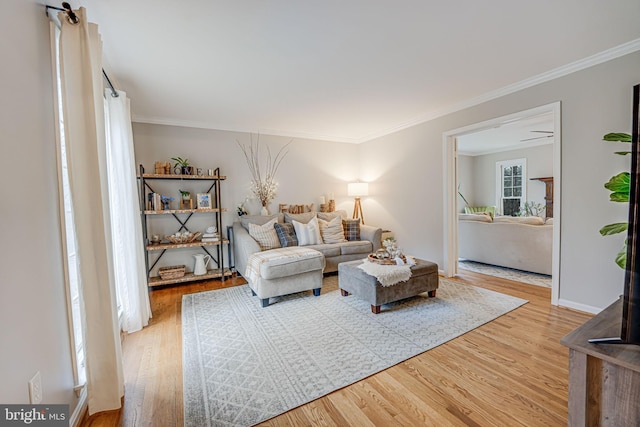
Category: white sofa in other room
[523,243]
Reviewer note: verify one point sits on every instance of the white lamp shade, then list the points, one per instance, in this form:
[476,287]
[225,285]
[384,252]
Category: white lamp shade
[357,189]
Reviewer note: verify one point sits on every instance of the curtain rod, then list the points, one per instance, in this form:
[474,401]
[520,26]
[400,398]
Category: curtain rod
[73,19]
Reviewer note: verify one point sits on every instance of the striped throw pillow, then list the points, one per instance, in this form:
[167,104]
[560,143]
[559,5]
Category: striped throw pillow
[265,235]
[309,233]
[332,231]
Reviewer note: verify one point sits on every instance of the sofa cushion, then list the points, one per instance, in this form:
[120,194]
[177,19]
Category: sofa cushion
[245,220]
[351,229]
[302,218]
[332,231]
[482,217]
[328,216]
[265,235]
[356,247]
[309,233]
[328,249]
[290,266]
[531,220]
[286,235]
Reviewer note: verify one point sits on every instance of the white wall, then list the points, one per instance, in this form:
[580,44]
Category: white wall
[539,164]
[311,169]
[34,333]
[466,174]
[407,173]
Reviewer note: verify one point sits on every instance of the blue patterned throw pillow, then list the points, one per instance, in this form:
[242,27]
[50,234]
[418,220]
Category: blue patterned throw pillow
[286,234]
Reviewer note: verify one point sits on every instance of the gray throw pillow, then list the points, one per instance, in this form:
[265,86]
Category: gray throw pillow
[302,218]
[245,220]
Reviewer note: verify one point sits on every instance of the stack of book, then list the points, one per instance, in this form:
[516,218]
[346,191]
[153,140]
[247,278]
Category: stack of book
[154,201]
[210,237]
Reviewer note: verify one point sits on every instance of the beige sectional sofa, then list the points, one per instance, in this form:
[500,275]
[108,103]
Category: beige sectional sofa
[274,271]
[523,243]
[334,253]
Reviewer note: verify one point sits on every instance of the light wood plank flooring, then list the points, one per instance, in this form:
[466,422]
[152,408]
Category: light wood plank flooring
[509,372]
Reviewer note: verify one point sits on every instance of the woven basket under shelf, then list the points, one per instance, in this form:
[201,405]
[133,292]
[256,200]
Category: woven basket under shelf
[172,272]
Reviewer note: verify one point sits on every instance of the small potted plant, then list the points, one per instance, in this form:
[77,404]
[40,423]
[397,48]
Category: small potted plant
[185,202]
[182,166]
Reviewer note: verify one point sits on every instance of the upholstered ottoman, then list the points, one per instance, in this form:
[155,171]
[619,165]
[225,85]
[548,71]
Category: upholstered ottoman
[352,280]
[284,271]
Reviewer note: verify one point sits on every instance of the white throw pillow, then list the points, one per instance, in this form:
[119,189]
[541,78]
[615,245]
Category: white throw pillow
[265,235]
[309,233]
[332,231]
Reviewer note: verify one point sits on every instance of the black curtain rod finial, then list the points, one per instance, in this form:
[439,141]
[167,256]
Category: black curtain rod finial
[73,18]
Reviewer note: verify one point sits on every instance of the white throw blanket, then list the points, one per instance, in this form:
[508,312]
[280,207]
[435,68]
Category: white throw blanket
[388,275]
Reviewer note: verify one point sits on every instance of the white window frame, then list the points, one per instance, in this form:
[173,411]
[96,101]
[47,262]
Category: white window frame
[500,165]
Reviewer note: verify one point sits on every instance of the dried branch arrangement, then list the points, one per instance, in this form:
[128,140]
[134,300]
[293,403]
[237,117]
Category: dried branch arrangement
[264,185]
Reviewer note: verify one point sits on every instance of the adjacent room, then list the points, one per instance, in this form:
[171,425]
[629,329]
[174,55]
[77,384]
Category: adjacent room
[294,213]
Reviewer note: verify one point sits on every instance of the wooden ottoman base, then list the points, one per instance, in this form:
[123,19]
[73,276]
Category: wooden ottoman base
[352,280]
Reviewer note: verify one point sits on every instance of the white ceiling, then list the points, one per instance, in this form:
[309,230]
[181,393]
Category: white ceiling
[521,133]
[340,70]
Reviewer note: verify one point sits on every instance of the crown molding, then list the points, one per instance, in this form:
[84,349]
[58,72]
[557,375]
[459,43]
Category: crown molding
[212,126]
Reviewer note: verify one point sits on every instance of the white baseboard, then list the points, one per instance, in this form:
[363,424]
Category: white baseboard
[577,306]
[81,408]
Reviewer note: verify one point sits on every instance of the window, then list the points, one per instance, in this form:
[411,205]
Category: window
[511,186]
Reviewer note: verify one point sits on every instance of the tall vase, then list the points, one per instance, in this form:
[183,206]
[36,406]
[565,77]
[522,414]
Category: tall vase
[264,210]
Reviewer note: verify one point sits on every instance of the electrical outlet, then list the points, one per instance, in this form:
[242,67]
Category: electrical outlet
[35,389]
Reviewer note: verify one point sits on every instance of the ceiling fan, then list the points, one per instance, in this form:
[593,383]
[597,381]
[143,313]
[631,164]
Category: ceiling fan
[549,132]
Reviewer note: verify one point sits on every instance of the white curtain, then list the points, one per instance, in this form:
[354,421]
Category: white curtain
[80,53]
[126,225]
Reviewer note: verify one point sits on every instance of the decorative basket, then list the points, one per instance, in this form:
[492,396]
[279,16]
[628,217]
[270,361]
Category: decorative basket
[172,272]
[384,261]
[183,239]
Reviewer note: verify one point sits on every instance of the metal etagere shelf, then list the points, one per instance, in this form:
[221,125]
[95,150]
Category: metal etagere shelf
[155,251]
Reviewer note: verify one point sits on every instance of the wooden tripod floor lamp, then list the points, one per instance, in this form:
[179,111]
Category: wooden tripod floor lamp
[358,189]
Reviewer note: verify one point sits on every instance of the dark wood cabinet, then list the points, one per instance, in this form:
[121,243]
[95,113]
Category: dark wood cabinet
[548,194]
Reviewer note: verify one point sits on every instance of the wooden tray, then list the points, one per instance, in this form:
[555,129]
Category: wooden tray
[384,261]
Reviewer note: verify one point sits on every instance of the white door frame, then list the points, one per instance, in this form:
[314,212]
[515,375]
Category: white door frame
[451,185]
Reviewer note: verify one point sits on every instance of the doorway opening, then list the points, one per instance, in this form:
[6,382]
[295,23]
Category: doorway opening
[495,192]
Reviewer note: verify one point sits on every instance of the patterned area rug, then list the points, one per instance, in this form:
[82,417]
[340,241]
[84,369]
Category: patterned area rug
[244,364]
[507,273]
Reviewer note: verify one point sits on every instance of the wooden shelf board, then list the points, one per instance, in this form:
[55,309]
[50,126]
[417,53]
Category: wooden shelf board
[185,211]
[189,277]
[185,245]
[196,177]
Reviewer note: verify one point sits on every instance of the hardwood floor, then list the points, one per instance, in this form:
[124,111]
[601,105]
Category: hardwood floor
[509,372]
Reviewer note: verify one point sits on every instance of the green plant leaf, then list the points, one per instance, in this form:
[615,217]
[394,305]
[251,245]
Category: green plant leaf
[619,197]
[619,183]
[617,137]
[615,228]
[180,161]
[621,258]
[622,153]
